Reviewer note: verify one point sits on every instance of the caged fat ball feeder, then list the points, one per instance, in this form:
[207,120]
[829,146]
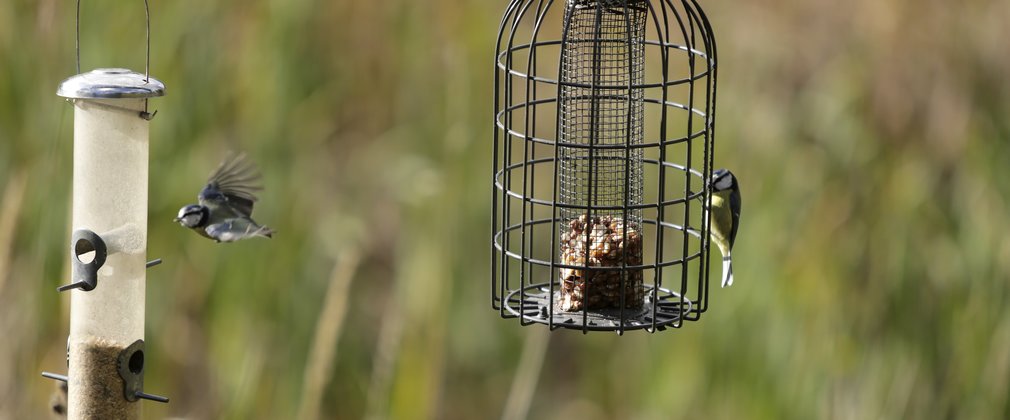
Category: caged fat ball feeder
[105,350]
[604,137]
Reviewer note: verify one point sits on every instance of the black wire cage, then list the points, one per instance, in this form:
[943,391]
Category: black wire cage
[603,140]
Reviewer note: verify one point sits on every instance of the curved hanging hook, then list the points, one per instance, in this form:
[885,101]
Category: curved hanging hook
[147,64]
[147,16]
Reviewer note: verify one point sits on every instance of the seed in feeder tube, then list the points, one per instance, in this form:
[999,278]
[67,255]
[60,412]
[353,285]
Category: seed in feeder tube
[607,247]
[99,381]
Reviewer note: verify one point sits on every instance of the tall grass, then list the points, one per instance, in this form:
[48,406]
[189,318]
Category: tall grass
[323,352]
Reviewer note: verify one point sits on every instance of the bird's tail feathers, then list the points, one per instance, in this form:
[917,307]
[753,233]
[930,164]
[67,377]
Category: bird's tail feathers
[265,232]
[254,230]
[727,271]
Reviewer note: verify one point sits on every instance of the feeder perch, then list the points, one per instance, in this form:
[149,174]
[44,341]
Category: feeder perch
[89,255]
[109,244]
[603,140]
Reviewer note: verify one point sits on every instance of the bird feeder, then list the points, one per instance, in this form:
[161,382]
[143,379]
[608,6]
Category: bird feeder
[603,140]
[109,241]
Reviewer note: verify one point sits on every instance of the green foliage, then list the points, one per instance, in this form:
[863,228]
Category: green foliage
[870,139]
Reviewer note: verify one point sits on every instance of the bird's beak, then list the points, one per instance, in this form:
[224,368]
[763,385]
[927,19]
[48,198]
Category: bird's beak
[176,220]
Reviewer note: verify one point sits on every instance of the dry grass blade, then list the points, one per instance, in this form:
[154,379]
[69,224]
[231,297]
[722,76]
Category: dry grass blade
[324,344]
[525,383]
[390,336]
[10,209]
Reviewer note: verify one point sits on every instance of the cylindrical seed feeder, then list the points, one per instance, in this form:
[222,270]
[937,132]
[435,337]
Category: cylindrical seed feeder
[604,133]
[110,200]
[109,241]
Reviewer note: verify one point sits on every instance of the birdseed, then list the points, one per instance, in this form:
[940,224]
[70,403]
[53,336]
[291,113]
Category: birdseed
[98,379]
[611,243]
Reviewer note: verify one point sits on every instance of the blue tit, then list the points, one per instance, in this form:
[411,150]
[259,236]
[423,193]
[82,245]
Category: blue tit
[224,212]
[725,210]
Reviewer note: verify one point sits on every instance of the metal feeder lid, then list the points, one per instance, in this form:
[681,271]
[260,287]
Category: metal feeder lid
[110,84]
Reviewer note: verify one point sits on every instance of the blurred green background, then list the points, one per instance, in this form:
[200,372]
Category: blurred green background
[871,138]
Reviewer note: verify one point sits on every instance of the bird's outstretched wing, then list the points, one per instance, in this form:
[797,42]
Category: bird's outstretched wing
[236,229]
[233,184]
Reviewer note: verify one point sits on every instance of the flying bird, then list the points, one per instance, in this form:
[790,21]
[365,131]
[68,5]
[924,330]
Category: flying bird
[224,212]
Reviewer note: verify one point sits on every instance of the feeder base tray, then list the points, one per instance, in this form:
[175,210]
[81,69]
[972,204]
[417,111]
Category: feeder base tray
[532,304]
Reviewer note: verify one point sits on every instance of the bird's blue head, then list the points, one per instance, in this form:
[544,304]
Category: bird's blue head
[722,180]
[192,216]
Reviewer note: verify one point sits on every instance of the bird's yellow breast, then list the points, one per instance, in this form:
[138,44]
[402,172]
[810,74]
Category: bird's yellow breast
[722,220]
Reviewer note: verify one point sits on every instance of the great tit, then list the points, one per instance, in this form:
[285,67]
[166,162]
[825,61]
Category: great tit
[224,212]
[725,210]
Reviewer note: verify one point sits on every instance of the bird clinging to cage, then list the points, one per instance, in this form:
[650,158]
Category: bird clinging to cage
[224,212]
[726,218]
